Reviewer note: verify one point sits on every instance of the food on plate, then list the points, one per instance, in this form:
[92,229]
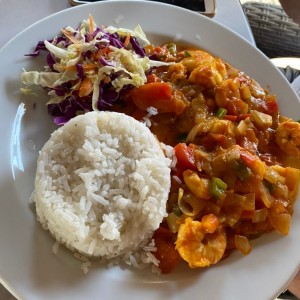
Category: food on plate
[235,159]
[102,184]
[89,67]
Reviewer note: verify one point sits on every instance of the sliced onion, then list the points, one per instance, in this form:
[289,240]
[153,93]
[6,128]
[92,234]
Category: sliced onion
[245,92]
[211,208]
[273,176]
[190,205]
[260,215]
[173,222]
[249,203]
[259,168]
[233,207]
[193,132]
[266,197]
[243,244]
[292,182]
[281,222]
[242,127]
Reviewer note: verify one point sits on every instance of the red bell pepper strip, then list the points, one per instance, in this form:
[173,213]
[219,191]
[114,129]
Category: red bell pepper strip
[185,157]
[247,158]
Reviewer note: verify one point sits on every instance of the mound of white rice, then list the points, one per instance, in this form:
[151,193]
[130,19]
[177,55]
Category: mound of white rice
[101,184]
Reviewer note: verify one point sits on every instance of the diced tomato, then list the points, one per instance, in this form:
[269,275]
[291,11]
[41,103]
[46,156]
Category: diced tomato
[166,253]
[236,107]
[243,117]
[220,139]
[271,106]
[185,156]
[247,158]
[231,118]
[158,95]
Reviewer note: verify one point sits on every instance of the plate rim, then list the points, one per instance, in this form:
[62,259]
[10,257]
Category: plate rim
[11,41]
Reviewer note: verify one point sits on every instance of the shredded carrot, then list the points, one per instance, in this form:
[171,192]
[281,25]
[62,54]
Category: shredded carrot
[106,79]
[69,35]
[85,88]
[89,67]
[127,40]
[101,52]
[66,67]
[86,67]
[91,24]
[105,50]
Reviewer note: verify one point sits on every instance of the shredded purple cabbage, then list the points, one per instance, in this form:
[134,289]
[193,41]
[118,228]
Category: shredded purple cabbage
[40,46]
[104,62]
[50,61]
[115,40]
[87,54]
[108,97]
[62,89]
[68,109]
[136,47]
[73,105]
[63,41]
[60,120]
[80,71]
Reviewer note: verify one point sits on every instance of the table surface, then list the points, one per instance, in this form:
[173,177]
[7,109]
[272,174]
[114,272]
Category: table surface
[35,10]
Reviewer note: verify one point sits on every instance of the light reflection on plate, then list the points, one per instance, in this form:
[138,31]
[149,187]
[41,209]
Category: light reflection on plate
[15,147]
[27,265]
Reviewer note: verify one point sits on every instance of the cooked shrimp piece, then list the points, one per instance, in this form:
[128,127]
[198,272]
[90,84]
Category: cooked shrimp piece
[196,58]
[176,72]
[206,75]
[205,69]
[288,137]
[201,244]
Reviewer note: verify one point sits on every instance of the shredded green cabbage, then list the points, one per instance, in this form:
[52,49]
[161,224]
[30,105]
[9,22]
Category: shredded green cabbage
[76,51]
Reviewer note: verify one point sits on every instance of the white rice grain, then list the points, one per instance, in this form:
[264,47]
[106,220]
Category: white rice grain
[101,187]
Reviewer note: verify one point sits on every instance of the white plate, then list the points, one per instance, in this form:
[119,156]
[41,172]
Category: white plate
[28,267]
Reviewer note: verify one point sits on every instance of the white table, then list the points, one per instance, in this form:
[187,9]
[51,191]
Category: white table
[16,15]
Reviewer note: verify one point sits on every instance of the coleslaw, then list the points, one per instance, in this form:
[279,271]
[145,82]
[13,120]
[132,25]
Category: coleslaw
[89,67]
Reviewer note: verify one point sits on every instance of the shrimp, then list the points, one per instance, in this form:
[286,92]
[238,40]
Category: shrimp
[205,69]
[201,244]
[176,72]
[288,138]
